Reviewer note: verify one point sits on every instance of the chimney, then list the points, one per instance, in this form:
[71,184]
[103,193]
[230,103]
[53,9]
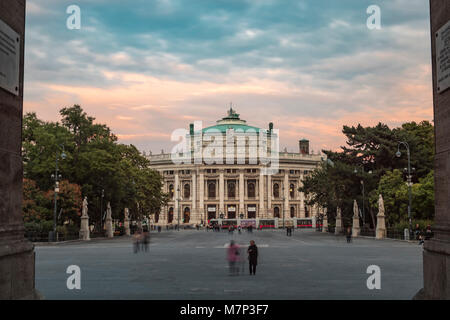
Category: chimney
[303,146]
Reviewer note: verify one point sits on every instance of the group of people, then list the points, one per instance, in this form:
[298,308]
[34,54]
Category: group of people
[141,240]
[422,235]
[235,257]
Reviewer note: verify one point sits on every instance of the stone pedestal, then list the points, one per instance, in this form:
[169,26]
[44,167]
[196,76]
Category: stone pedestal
[436,255]
[338,229]
[109,226]
[355,227]
[16,253]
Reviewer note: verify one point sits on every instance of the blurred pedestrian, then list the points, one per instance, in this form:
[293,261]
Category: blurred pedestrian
[428,233]
[349,235]
[252,257]
[136,240]
[145,239]
[233,256]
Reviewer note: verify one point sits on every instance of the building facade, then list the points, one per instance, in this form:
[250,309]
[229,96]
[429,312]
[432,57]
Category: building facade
[236,183]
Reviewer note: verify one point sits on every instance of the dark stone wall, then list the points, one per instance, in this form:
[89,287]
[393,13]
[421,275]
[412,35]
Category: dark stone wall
[16,253]
[436,256]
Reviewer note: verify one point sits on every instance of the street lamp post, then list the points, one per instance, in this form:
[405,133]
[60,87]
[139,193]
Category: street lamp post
[363,195]
[101,210]
[282,205]
[57,177]
[399,154]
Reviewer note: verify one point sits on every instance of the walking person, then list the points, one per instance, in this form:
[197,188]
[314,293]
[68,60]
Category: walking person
[349,235]
[233,256]
[145,239]
[136,241]
[252,257]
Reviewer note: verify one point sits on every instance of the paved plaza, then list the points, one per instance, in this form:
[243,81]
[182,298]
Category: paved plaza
[191,264]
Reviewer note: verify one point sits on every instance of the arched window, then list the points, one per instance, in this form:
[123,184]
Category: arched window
[211,190]
[276,212]
[292,190]
[292,212]
[170,215]
[251,190]
[306,212]
[187,191]
[187,215]
[276,190]
[171,191]
[156,217]
[231,190]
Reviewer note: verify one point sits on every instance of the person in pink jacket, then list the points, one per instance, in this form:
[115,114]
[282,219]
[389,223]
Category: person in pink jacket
[233,256]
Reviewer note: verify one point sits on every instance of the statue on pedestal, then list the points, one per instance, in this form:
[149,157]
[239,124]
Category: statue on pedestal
[109,227]
[126,222]
[355,229]
[381,223]
[338,229]
[84,227]
[325,220]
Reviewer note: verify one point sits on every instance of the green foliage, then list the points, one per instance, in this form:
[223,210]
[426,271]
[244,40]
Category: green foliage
[371,151]
[94,161]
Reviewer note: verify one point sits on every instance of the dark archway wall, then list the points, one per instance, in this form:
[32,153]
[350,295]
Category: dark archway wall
[16,253]
[436,255]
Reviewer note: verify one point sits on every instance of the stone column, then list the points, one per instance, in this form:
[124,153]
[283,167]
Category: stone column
[269,192]
[325,220]
[338,229]
[302,199]
[286,195]
[16,252]
[381,224]
[355,228]
[126,222]
[201,196]
[436,254]
[84,226]
[261,196]
[241,192]
[109,226]
[221,193]
[177,214]
[194,215]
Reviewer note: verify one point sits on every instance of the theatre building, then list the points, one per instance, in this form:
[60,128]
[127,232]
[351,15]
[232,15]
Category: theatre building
[239,187]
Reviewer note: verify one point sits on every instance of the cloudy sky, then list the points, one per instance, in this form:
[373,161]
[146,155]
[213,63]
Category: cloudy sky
[148,67]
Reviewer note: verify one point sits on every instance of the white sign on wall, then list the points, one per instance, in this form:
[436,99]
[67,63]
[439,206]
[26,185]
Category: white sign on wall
[9,58]
[443,57]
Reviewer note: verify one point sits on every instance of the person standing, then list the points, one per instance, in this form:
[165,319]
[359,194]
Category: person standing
[349,235]
[252,257]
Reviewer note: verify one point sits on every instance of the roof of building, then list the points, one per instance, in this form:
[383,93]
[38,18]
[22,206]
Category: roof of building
[232,121]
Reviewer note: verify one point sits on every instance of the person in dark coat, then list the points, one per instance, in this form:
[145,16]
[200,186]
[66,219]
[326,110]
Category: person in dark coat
[252,257]
[349,235]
